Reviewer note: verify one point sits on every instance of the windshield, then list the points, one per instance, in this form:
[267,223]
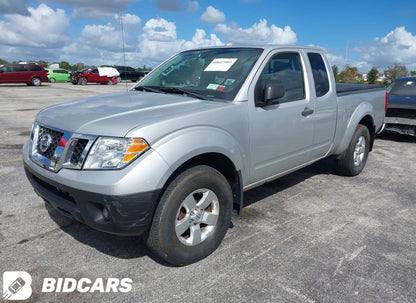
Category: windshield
[211,73]
[403,87]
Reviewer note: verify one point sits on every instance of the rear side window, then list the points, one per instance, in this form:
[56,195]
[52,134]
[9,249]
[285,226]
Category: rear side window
[34,68]
[320,74]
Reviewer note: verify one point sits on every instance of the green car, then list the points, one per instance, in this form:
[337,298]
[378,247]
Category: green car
[61,75]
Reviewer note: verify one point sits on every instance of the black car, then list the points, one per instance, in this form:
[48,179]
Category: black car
[129,73]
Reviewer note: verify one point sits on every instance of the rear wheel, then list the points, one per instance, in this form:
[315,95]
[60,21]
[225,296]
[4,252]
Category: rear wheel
[52,80]
[192,217]
[36,81]
[356,154]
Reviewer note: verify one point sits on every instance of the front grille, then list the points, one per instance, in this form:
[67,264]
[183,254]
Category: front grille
[54,148]
[56,136]
[78,150]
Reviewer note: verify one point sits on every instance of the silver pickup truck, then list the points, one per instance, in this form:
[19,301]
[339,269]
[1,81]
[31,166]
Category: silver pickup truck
[170,158]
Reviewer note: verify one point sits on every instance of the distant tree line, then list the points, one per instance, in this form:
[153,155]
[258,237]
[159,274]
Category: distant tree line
[67,66]
[351,74]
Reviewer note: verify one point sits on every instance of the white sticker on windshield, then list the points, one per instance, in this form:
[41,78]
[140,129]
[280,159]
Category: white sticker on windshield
[220,65]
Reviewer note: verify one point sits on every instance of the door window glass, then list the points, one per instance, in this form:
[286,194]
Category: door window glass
[284,69]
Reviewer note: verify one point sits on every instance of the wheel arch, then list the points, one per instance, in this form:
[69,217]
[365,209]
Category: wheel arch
[221,163]
[363,114]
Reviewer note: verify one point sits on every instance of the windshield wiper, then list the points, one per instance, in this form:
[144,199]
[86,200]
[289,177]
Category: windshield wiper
[177,90]
[171,90]
[149,89]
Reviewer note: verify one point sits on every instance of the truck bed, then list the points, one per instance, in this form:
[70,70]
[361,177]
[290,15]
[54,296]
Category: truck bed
[348,89]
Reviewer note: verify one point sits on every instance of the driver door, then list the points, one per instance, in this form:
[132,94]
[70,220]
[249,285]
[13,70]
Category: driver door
[281,131]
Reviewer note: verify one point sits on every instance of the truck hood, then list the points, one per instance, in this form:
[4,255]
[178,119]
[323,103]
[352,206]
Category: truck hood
[119,113]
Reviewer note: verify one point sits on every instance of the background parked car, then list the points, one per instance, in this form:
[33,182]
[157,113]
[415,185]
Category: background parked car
[31,74]
[103,75]
[129,73]
[60,75]
[401,111]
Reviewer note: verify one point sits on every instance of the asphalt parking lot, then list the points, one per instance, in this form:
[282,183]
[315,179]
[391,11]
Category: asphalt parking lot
[312,236]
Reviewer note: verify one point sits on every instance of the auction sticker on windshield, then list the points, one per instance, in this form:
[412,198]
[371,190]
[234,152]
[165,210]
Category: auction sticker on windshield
[220,65]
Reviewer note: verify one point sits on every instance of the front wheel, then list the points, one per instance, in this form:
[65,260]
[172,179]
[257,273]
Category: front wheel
[82,81]
[192,217]
[356,154]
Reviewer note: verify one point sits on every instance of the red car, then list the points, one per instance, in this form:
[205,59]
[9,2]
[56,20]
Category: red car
[31,74]
[103,75]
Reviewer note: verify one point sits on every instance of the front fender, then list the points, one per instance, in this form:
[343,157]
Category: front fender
[363,110]
[185,144]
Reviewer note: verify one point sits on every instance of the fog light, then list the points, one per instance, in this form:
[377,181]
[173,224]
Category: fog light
[106,214]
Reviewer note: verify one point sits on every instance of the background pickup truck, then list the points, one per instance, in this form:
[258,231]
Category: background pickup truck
[171,158]
[103,75]
[401,110]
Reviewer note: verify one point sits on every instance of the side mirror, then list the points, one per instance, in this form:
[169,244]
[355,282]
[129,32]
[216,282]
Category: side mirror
[273,90]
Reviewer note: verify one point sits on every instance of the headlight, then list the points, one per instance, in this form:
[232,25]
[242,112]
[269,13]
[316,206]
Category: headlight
[114,153]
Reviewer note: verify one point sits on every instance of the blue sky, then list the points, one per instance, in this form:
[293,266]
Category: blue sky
[360,33]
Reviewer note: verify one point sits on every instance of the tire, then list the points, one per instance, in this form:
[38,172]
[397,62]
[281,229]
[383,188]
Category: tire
[52,80]
[192,217]
[110,82]
[355,157]
[36,81]
[118,79]
[82,81]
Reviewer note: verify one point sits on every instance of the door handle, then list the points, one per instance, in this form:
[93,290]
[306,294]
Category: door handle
[307,112]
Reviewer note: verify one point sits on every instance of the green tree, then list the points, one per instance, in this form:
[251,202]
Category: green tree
[395,71]
[349,75]
[413,73]
[144,68]
[43,63]
[3,61]
[372,76]
[78,66]
[65,65]
[335,72]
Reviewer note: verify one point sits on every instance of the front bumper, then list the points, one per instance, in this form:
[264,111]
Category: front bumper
[122,215]
[119,201]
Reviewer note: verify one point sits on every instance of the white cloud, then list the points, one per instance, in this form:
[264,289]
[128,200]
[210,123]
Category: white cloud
[8,7]
[177,5]
[213,15]
[159,41]
[159,30]
[397,46]
[259,33]
[44,28]
[101,44]
[101,37]
[131,19]
[94,8]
